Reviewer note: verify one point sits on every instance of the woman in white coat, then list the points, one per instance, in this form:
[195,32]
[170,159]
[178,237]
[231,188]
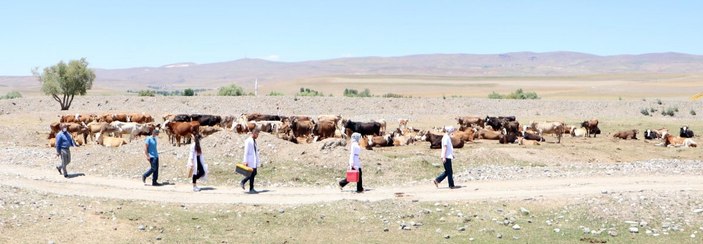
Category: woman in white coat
[354,162]
[196,163]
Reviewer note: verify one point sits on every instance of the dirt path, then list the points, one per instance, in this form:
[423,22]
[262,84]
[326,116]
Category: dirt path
[50,181]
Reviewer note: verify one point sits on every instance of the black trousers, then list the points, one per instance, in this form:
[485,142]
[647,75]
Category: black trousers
[359,187]
[153,170]
[448,173]
[200,173]
[250,178]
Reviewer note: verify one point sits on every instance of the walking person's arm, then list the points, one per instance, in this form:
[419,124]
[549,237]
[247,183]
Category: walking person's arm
[57,143]
[146,151]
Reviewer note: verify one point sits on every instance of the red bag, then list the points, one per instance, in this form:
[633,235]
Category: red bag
[352,176]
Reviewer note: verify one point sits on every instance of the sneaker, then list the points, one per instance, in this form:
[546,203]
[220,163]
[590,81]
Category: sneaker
[252,191]
[196,189]
[144,179]
[242,185]
[156,184]
[435,183]
[59,169]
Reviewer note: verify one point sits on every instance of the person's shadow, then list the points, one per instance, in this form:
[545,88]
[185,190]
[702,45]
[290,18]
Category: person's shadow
[207,188]
[74,175]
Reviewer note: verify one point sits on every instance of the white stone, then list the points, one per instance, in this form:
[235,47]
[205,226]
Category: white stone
[516,227]
[557,230]
[524,211]
[634,230]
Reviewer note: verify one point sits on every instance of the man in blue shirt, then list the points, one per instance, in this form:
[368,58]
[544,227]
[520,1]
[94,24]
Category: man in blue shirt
[152,155]
[63,142]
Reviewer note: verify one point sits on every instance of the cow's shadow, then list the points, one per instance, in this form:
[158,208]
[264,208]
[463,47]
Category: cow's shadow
[74,175]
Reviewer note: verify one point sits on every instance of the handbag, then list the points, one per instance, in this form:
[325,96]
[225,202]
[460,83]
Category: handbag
[352,175]
[243,169]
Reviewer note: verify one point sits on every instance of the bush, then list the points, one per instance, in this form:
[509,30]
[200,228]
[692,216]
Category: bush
[12,95]
[275,94]
[644,112]
[517,94]
[146,93]
[393,95]
[693,112]
[231,90]
[659,102]
[188,92]
[307,92]
[355,93]
[669,111]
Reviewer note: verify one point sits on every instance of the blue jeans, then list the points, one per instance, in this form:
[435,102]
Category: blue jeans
[154,169]
[448,173]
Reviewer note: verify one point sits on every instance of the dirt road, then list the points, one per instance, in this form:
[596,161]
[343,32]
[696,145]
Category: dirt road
[50,181]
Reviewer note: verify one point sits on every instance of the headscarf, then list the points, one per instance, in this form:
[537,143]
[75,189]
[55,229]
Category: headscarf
[449,129]
[356,137]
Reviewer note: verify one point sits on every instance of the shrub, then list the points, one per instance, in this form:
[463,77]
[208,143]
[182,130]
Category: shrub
[231,90]
[188,92]
[659,101]
[693,112]
[275,94]
[307,92]
[393,95]
[517,94]
[644,112]
[146,93]
[355,93]
[12,95]
[495,95]
[669,111]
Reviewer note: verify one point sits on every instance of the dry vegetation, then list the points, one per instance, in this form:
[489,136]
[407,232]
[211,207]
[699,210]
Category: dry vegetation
[670,214]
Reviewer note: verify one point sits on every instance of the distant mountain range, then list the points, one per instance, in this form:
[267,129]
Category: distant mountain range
[213,75]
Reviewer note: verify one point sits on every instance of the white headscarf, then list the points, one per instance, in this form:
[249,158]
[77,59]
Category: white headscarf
[356,137]
[449,129]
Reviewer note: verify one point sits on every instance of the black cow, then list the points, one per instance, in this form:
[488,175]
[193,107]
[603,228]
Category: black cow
[651,135]
[532,137]
[686,132]
[363,128]
[507,139]
[206,120]
[263,117]
[436,141]
[182,118]
[499,122]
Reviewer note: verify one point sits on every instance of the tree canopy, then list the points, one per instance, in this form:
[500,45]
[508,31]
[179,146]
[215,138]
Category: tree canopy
[65,80]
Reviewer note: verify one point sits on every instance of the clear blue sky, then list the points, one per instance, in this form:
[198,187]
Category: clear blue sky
[121,34]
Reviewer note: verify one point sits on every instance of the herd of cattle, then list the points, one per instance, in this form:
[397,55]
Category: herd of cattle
[108,129]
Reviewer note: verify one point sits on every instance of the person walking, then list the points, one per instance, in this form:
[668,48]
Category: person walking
[152,156]
[251,159]
[196,165]
[63,142]
[354,162]
[447,155]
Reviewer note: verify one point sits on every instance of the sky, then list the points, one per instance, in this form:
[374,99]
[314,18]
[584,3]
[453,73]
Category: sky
[126,33]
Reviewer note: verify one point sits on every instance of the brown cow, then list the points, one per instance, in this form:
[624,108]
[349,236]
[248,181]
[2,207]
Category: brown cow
[468,135]
[626,134]
[109,141]
[591,126]
[94,128]
[381,141]
[324,129]
[70,118]
[52,142]
[182,129]
[208,130]
[470,121]
[140,118]
[549,127]
[302,127]
[489,134]
[677,141]
[113,117]
[403,123]
[436,141]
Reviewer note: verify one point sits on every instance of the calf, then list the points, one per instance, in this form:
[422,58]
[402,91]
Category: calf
[590,125]
[677,141]
[110,141]
[626,134]
[686,132]
[579,132]
[651,134]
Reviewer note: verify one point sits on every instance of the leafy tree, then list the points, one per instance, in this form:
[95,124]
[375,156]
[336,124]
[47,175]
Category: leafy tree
[64,81]
[188,92]
[231,90]
[147,93]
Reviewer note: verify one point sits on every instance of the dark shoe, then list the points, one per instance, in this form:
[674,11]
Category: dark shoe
[242,185]
[253,191]
[59,169]
[144,179]
[453,187]
[65,176]
[362,191]
[436,185]
[156,184]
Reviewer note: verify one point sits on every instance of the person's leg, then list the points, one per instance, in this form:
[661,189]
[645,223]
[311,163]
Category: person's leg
[155,177]
[251,180]
[65,159]
[443,175]
[343,182]
[150,170]
[200,173]
[450,172]
[359,185]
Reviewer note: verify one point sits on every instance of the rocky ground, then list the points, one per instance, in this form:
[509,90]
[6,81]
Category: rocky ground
[673,214]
